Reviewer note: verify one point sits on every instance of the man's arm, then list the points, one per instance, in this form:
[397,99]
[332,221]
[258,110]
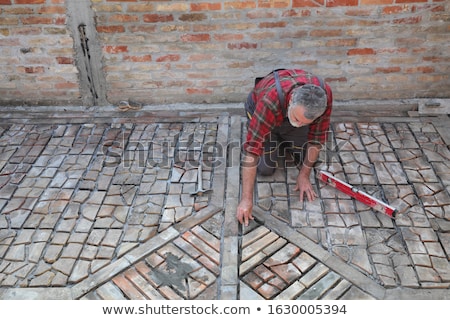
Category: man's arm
[303,182]
[245,207]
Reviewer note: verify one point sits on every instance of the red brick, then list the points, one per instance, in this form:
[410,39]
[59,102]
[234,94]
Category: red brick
[141,7]
[278,24]
[33,69]
[239,5]
[127,287]
[26,31]
[420,70]
[52,10]
[168,57]
[268,291]
[253,280]
[360,51]
[142,284]
[341,43]
[262,14]
[200,57]
[202,28]
[141,28]
[288,272]
[409,1]
[60,20]
[242,45]
[325,33]
[408,20]
[37,20]
[198,91]
[116,49]
[278,283]
[359,12]
[342,3]
[193,17]
[387,70]
[264,273]
[376,2]
[9,42]
[205,6]
[180,7]
[196,37]
[111,29]
[123,18]
[209,264]
[436,59]
[17,10]
[392,50]
[64,60]
[438,9]
[409,42]
[144,58]
[29,1]
[199,244]
[207,237]
[169,293]
[228,37]
[143,269]
[66,85]
[339,79]
[295,13]
[307,3]
[152,18]
[5,2]
[393,9]
[273,3]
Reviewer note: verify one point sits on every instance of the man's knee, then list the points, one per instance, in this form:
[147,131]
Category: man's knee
[268,163]
[266,170]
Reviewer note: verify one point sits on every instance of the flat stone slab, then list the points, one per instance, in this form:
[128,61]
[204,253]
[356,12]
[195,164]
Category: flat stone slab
[104,210]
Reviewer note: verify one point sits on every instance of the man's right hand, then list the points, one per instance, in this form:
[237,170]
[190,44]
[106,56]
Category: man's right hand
[244,212]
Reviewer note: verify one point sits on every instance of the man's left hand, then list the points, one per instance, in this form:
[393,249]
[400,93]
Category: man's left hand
[305,187]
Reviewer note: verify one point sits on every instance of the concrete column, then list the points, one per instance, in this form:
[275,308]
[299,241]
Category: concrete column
[81,23]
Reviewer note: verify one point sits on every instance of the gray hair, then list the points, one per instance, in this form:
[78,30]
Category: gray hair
[312,97]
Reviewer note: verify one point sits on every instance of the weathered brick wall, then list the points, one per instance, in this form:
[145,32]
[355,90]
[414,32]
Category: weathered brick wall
[210,50]
[36,53]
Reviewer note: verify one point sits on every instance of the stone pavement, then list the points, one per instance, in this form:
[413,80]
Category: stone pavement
[99,205]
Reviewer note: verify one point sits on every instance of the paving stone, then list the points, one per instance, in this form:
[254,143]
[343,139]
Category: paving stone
[16,253]
[314,275]
[52,184]
[247,293]
[407,276]
[319,288]
[286,254]
[258,246]
[288,272]
[361,259]
[355,293]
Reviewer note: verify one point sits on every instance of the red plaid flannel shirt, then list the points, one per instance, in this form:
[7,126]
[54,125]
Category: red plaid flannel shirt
[268,113]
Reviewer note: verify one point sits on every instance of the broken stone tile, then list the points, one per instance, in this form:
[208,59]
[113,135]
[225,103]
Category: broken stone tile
[390,173]
[286,254]
[361,260]
[407,276]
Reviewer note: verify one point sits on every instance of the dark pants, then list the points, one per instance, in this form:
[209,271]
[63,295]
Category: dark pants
[284,138]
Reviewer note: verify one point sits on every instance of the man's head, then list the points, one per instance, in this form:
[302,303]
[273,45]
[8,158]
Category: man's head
[307,103]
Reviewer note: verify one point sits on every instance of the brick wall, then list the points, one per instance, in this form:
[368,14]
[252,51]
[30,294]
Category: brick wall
[210,51]
[36,53]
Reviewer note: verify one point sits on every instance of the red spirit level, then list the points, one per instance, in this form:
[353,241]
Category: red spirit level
[357,194]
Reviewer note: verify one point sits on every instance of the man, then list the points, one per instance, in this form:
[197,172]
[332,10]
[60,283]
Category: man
[289,108]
